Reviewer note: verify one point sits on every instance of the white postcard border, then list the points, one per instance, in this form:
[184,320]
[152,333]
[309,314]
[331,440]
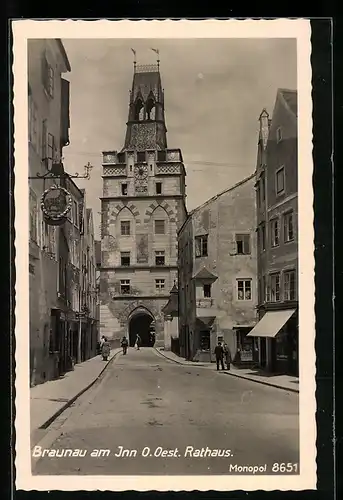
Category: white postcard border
[278,28]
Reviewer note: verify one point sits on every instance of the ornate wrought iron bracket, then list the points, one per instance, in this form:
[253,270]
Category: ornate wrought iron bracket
[57,172]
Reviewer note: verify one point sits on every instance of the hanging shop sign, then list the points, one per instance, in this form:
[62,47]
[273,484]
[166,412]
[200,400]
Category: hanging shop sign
[56,203]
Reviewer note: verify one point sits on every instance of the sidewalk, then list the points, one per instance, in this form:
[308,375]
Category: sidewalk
[48,400]
[286,382]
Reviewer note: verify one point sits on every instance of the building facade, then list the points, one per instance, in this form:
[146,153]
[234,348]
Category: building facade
[61,268]
[277,215]
[218,276]
[143,206]
[48,128]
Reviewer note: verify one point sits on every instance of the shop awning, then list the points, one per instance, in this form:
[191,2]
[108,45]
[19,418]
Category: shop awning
[271,323]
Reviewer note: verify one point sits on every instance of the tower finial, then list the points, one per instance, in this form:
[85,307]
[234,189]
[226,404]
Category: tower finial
[134,58]
[158,57]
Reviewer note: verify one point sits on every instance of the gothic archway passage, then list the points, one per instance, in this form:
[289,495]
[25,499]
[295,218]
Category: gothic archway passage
[140,324]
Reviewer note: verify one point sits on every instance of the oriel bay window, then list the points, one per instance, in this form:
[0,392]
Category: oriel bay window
[275,287]
[244,289]
[289,285]
[201,245]
[288,233]
[243,244]
[125,287]
[274,232]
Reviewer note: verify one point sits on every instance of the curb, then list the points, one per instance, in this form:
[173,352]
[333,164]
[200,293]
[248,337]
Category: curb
[234,375]
[178,362]
[74,398]
[263,382]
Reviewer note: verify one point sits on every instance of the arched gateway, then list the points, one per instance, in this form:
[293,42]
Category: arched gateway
[141,322]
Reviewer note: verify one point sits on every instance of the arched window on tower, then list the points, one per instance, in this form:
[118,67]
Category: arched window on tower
[150,109]
[139,110]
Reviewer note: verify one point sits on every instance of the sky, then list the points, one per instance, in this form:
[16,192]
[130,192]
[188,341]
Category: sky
[215,90]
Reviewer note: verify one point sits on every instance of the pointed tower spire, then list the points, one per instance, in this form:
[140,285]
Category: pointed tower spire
[146,128]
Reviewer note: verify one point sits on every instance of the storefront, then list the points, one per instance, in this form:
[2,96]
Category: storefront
[277,332]
[247,353]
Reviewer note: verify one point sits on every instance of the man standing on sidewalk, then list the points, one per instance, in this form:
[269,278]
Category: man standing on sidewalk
[227,354]
[219,353]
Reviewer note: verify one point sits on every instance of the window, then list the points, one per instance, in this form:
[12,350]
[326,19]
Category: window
[121,157]
[159,284]
[159,258]
[141,157]
[207,290]
[275,287]
[274,229]
[280,181]
[125,258]
[158,187]
[33,216]
[125,227]
[124,189]
[288,232]
[279,134]
[243,244]
[161,156]
[201,246]
[44,140]
[263,236]
[263,188]
[159,227]
[33,133]
[125,287]
[48,78]
[289,285]
[244,289]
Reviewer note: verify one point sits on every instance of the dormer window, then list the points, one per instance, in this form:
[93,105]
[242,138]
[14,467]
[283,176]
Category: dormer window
[279,134]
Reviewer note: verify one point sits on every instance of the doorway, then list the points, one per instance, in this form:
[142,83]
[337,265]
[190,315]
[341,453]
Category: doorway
[141,324]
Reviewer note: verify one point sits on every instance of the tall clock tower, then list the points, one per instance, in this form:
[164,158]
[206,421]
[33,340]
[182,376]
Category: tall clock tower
[143,206]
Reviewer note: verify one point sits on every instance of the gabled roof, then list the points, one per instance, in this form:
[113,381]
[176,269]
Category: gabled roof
[204,274]
[290,98]
[227,190]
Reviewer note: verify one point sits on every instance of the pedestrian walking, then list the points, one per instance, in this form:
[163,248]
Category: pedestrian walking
[227,354]
[219,353]
[138,342]
[124,343]
[102,341]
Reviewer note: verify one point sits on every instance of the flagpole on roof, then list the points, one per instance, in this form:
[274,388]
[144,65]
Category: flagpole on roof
[134,58]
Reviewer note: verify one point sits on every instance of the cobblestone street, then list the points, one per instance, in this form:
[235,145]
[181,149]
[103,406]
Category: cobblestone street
[147,404]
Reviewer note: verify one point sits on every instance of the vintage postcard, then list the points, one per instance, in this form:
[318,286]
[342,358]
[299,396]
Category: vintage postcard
[164,254]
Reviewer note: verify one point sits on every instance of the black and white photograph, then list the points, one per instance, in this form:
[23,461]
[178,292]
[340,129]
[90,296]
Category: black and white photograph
[164,255]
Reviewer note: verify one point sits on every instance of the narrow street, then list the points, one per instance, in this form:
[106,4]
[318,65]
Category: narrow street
[150,404]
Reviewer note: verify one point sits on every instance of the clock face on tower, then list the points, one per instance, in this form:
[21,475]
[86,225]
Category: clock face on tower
[141,172]
[141,179]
